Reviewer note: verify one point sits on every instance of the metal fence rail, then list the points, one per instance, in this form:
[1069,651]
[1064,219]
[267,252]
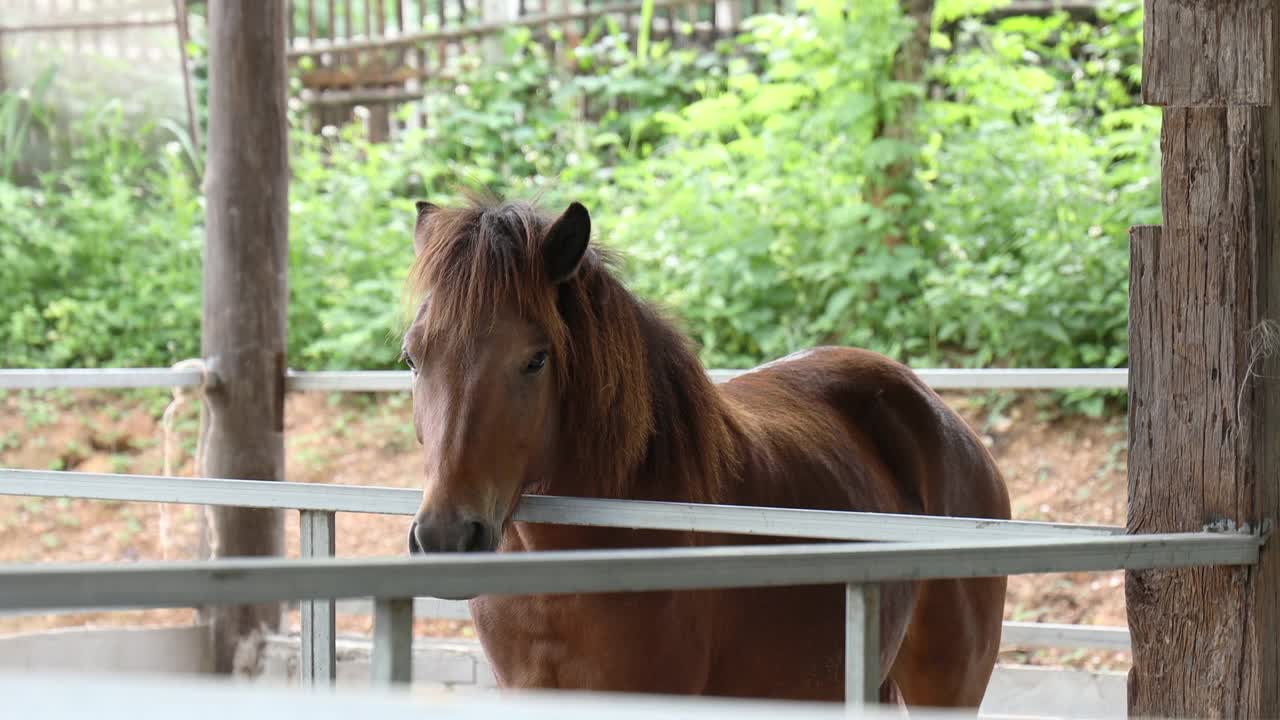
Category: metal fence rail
[393,582]
[328,499]
[1052,635]
[1062,547]
[45,696]
[318,504]
[252,580]
[1027,635]
[398,381]
[100,378]
[636,514]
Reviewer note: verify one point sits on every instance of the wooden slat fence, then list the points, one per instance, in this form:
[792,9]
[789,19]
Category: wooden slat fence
[347,54]
[101,51]
[379,55]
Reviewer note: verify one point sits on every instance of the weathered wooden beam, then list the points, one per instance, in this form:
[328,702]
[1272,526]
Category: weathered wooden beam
[245,294]
[1204,423]
[1207,53]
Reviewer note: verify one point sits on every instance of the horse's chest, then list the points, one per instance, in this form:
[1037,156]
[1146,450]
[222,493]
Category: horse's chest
[524,640]
[598,642]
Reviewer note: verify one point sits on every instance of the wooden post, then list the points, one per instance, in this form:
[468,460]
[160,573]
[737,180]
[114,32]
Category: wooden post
[908,67]
[246,255]
[1204,388]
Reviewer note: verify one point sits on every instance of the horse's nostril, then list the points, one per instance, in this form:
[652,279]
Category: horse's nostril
[473,537]
[415,547]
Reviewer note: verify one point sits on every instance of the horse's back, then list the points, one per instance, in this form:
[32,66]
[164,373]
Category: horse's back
[888,414]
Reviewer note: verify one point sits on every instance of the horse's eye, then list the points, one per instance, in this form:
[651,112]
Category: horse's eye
[536,363]
[408,360]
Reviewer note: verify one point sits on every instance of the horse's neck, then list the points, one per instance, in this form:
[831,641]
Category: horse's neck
[690,437]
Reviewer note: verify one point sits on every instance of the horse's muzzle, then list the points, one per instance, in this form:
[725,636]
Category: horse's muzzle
[454,534]
[458,535]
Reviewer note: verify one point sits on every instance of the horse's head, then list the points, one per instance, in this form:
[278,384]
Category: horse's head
[488,350]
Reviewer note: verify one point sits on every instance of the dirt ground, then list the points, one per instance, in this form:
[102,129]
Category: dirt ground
[1064,470]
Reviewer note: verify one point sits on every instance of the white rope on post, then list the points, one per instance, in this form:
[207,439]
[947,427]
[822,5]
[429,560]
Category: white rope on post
[180,397]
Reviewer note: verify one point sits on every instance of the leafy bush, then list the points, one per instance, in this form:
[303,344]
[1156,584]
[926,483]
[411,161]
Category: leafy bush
[747,186]
[756,221]
[512,129]
[1034,171]
[760,223]
[100,263]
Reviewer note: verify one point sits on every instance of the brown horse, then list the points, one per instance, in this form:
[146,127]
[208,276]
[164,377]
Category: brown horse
[535,371]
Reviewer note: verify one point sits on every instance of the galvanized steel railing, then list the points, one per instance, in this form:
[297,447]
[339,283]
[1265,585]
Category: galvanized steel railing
[396,381]
[958,547]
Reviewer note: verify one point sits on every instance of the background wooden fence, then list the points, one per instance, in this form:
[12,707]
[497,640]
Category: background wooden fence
[376,54]
[381,54]
[346,54]
[122,51]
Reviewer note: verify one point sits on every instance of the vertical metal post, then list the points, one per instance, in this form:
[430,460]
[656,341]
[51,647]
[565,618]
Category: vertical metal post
[392,641]
[319,644]
[861,646]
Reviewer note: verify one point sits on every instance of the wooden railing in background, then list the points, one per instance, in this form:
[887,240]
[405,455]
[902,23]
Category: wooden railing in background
[381,55]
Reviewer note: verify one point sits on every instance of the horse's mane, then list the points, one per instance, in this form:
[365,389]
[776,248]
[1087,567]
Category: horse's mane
[639,418]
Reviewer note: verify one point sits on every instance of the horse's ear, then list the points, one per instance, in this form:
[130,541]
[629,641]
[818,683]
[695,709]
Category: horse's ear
[566,243]
[425,209]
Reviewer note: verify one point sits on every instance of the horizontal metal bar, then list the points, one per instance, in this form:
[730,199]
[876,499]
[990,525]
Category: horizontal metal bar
[648,515]
[236,581]
[398,380]
[348,381]
[75,696]
[105,378]
[1000,378]
[786,522]
[941,379]
[209,491]
[1015,634]
[1026,379]
[1052,635]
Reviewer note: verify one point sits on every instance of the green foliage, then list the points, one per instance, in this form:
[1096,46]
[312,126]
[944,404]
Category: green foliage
[100,263]
[20,113]
[752,188]
[754,222]
[511,129]
[1034,169]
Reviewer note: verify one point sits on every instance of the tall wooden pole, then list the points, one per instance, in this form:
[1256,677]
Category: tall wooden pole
[1204,338]
[245,290]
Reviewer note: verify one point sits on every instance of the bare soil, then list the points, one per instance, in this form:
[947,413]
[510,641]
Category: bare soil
[1063,470]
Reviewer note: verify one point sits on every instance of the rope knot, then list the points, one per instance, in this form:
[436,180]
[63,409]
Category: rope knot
[182,395]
